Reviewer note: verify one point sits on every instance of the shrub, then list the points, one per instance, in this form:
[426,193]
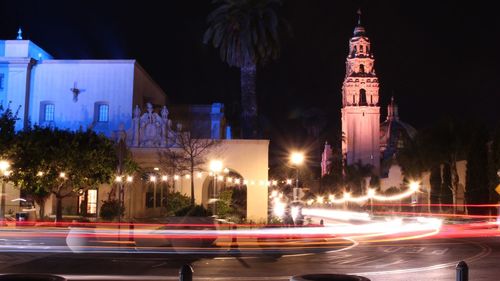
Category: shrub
[193,211]
[177,201]
[111,209]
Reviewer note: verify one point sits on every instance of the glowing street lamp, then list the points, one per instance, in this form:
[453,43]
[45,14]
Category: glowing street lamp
[371,194]
[296,159]
[215,167]
[414,186]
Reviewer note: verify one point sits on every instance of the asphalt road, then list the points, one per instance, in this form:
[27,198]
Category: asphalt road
[424,259]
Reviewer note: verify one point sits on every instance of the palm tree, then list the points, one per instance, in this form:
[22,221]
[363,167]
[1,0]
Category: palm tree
[246,32]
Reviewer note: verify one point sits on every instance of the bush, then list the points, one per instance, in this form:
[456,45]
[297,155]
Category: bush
[177,201]
[193,211]
[224,207]
[111,209]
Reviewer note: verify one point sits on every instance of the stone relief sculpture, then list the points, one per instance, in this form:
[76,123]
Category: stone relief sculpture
[150,129]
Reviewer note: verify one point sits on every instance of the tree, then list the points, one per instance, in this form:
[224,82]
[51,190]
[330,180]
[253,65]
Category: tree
[61,162]
[247,34]
[440,145]
[8,120]
[187,154]
[477,185]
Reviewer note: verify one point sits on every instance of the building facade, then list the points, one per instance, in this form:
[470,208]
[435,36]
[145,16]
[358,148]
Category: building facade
[119,99]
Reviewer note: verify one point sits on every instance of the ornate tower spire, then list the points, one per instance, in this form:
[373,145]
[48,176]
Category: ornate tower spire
[19,34]
[360,110]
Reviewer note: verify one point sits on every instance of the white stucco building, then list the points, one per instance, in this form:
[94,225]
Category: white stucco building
[120,100]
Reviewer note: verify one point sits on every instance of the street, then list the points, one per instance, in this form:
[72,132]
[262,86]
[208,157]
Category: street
[417,259]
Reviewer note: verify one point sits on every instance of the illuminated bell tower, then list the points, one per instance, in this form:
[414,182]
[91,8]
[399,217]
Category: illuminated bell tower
[360,109]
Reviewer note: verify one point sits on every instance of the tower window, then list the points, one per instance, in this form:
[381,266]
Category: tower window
[361,48]
[1,81]
[48,112]
[362,97]
[362,68]
[371,99]
[101,112]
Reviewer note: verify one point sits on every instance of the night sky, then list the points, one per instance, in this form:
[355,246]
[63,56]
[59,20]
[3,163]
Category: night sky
[437,57]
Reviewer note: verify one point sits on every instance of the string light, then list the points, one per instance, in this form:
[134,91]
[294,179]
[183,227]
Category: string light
[154,178]
[371,194]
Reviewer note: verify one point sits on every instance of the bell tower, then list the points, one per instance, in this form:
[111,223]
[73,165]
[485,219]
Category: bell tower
[360,103]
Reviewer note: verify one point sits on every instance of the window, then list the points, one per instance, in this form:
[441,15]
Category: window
[361,48]
[362,68]
[92,201]
[103,113]
[1,81]
[48,112]
[362,97]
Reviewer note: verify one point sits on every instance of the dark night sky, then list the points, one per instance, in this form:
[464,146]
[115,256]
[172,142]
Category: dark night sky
[437,57]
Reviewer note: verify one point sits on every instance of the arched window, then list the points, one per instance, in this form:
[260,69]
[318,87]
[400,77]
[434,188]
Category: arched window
[362,68]
[101,112]
[47,111]
[361,48]
[362,97]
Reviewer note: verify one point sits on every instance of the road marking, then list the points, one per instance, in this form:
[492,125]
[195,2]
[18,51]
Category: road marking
[353,260]
[439,252]
[414,250]
[392,249]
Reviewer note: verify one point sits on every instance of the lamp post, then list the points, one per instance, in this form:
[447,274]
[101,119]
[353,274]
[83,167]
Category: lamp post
[215,167]
[371,193]
[119,182]
[296,159]
[4,170]
[414,186]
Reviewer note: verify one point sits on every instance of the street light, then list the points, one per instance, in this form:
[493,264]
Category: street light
[4,169]
[296,159]
[414,186]
[215,167]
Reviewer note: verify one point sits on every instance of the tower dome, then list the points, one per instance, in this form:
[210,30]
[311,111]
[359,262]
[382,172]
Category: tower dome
[394,133]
